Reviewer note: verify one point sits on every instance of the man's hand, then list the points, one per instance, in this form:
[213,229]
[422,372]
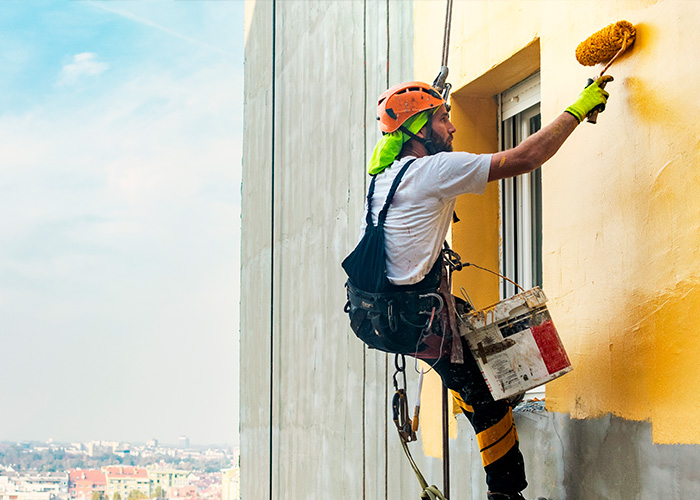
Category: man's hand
[592,97]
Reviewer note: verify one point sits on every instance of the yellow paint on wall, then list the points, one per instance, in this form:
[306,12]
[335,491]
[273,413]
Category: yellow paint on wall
[476,236]
[431,414]
[621,242]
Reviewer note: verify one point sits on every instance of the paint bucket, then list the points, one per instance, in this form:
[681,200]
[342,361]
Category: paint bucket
[515,344]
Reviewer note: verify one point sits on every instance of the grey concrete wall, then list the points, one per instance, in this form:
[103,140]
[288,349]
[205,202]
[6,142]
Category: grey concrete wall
[256,237]
[608,458]
[314,402]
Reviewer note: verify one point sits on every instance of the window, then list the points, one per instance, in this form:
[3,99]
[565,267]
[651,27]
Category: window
[521,197]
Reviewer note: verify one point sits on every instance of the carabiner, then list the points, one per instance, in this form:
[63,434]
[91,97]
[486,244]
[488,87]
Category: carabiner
[437,296]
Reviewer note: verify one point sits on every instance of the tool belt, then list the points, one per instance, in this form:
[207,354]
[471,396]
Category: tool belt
[392,321]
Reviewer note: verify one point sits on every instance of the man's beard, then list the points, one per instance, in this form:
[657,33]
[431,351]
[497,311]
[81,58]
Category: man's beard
[440,144]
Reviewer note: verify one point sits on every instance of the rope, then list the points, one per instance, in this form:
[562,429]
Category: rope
[494,272]
[446,34]
[428,492]
[405,428]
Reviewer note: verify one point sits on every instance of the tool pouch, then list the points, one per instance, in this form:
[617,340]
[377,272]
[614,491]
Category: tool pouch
[393,321]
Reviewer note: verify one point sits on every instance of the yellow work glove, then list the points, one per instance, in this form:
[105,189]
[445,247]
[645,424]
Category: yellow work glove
[593,97]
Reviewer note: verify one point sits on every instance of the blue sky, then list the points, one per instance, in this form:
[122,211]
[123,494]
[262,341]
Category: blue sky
[120,159]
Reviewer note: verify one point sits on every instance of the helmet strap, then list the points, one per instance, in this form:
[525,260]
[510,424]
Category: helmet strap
[426,141]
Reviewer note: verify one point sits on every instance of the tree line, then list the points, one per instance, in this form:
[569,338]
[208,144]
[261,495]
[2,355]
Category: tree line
[21,459]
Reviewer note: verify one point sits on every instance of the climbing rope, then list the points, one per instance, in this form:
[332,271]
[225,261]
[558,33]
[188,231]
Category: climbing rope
[446,34]
[440,81]
[405,428]
[430,492]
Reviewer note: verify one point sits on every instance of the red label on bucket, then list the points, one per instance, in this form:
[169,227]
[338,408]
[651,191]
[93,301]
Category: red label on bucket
[553,353]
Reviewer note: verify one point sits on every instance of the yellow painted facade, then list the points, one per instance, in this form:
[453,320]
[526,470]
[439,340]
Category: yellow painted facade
[621,200]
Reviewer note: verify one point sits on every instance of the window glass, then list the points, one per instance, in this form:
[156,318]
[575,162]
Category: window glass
[521,197]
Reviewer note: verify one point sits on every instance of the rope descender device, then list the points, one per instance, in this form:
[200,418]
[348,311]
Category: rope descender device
[399,404]
[452,259]
[440,83]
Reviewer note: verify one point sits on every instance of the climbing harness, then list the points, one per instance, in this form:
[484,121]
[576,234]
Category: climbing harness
[384,317]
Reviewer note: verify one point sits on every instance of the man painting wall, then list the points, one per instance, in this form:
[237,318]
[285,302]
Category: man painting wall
[398,276]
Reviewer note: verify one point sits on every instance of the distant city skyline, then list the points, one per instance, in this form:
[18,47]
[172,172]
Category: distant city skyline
[52,456]
[120,127]
[153,443]
[76,473]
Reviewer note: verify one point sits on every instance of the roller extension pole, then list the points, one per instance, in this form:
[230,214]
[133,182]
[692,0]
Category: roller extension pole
[605,45]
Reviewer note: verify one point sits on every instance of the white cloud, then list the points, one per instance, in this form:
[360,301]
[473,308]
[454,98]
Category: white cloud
[83,64]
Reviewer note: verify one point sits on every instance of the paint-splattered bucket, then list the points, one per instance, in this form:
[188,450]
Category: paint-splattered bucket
[515,344]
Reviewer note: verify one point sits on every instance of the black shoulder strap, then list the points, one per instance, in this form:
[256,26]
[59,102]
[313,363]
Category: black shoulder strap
[370,193]
[392,191]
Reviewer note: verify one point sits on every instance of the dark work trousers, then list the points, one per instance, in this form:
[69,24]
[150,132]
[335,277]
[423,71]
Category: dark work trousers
[492,421]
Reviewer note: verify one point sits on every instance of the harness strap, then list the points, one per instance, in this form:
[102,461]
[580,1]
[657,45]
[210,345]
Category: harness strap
[390,196]
[392,191]
[421,301]
[370,194]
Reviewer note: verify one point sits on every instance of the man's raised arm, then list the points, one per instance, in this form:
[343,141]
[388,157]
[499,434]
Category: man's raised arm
[541,146]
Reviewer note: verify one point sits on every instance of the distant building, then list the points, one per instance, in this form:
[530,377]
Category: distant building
[95,448]
[123,480]
[182,492]
[184,442]
[167,478]
[231,484]
[47,486]
[82,483]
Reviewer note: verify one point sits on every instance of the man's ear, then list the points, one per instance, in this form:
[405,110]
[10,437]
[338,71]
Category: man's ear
[421,132]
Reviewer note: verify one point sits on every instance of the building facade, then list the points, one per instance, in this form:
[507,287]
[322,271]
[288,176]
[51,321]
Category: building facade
[612,237]
[231,484]
[34,486]
[166,478]
[82,483]
[125,479]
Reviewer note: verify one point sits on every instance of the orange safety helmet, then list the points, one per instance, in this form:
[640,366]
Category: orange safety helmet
[401,102]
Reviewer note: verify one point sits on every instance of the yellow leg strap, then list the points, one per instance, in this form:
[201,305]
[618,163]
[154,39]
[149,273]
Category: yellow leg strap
[459,405]
[498,439]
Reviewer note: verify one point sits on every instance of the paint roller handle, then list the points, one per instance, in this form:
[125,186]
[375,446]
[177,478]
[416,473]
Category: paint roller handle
[593,115]
[592,98]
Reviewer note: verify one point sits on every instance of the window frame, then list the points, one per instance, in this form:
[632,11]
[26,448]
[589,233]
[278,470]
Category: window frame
[520,197]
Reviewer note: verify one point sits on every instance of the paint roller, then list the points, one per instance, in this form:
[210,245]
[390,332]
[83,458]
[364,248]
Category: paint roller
[605,45]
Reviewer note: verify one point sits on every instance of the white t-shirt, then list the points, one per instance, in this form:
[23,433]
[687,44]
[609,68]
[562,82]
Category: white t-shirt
[420,214]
